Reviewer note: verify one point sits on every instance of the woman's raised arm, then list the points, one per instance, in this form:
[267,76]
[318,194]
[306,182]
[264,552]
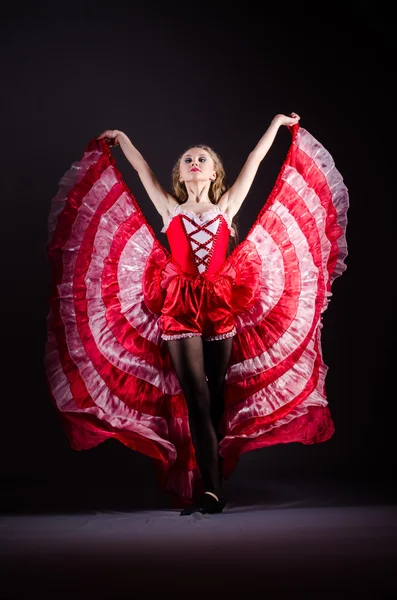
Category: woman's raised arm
[157,194]
[236,194]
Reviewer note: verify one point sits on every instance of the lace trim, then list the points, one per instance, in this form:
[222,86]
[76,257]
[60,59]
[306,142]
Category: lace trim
[178,336]
[223,336]
[212,338]
[216,210]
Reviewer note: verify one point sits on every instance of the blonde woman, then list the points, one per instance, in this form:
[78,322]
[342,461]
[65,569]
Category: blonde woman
[197,355]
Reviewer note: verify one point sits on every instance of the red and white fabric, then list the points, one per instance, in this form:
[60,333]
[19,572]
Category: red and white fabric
[108,370]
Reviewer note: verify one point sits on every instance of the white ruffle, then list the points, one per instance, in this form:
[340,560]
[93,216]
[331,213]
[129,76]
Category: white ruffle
[272,266]
[69,180]
[272,280]
[278,393]
[104,338]
[179,336]
[130,274]
[199,219]
[107,407]
[299,411]
[223,336]
[340,195]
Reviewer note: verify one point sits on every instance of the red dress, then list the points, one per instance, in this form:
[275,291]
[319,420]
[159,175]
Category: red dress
[197,280]
[116,291]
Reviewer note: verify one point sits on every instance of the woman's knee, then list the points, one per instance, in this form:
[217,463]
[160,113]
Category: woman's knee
[216,383]
[195,382]
[197,395]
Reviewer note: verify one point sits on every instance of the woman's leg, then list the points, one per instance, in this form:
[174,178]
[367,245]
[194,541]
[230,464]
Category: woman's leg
[188,359]
[216,361]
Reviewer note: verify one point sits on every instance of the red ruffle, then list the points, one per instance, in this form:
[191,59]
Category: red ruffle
[247,265]
[243,269]
[153,292]
[108,372]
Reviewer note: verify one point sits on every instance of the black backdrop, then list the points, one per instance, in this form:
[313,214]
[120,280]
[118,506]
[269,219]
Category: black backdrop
[170,76]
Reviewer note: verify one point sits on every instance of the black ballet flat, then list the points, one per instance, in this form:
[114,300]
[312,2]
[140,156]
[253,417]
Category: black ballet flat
[206,504]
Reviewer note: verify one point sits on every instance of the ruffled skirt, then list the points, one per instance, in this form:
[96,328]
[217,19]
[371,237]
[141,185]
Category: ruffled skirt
[108,369]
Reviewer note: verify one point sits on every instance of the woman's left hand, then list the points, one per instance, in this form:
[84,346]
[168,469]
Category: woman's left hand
[292,119]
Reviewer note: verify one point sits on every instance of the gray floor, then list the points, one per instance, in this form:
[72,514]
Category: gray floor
[303,540]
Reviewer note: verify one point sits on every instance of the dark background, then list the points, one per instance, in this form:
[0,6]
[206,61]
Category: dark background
[172,75]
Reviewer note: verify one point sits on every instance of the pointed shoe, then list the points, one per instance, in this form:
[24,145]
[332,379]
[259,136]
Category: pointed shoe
[206,504]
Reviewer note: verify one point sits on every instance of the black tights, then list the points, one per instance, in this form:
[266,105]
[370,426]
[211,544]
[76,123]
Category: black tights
[195,361]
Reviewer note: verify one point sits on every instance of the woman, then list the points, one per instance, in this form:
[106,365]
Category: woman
[194,356]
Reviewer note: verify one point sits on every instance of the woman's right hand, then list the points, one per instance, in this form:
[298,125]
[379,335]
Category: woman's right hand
[112,135]
[289,121]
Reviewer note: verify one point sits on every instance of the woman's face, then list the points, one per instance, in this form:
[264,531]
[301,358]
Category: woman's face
[196,165]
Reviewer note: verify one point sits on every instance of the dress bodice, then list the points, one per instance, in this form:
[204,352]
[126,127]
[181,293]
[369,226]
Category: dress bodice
[198,243]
